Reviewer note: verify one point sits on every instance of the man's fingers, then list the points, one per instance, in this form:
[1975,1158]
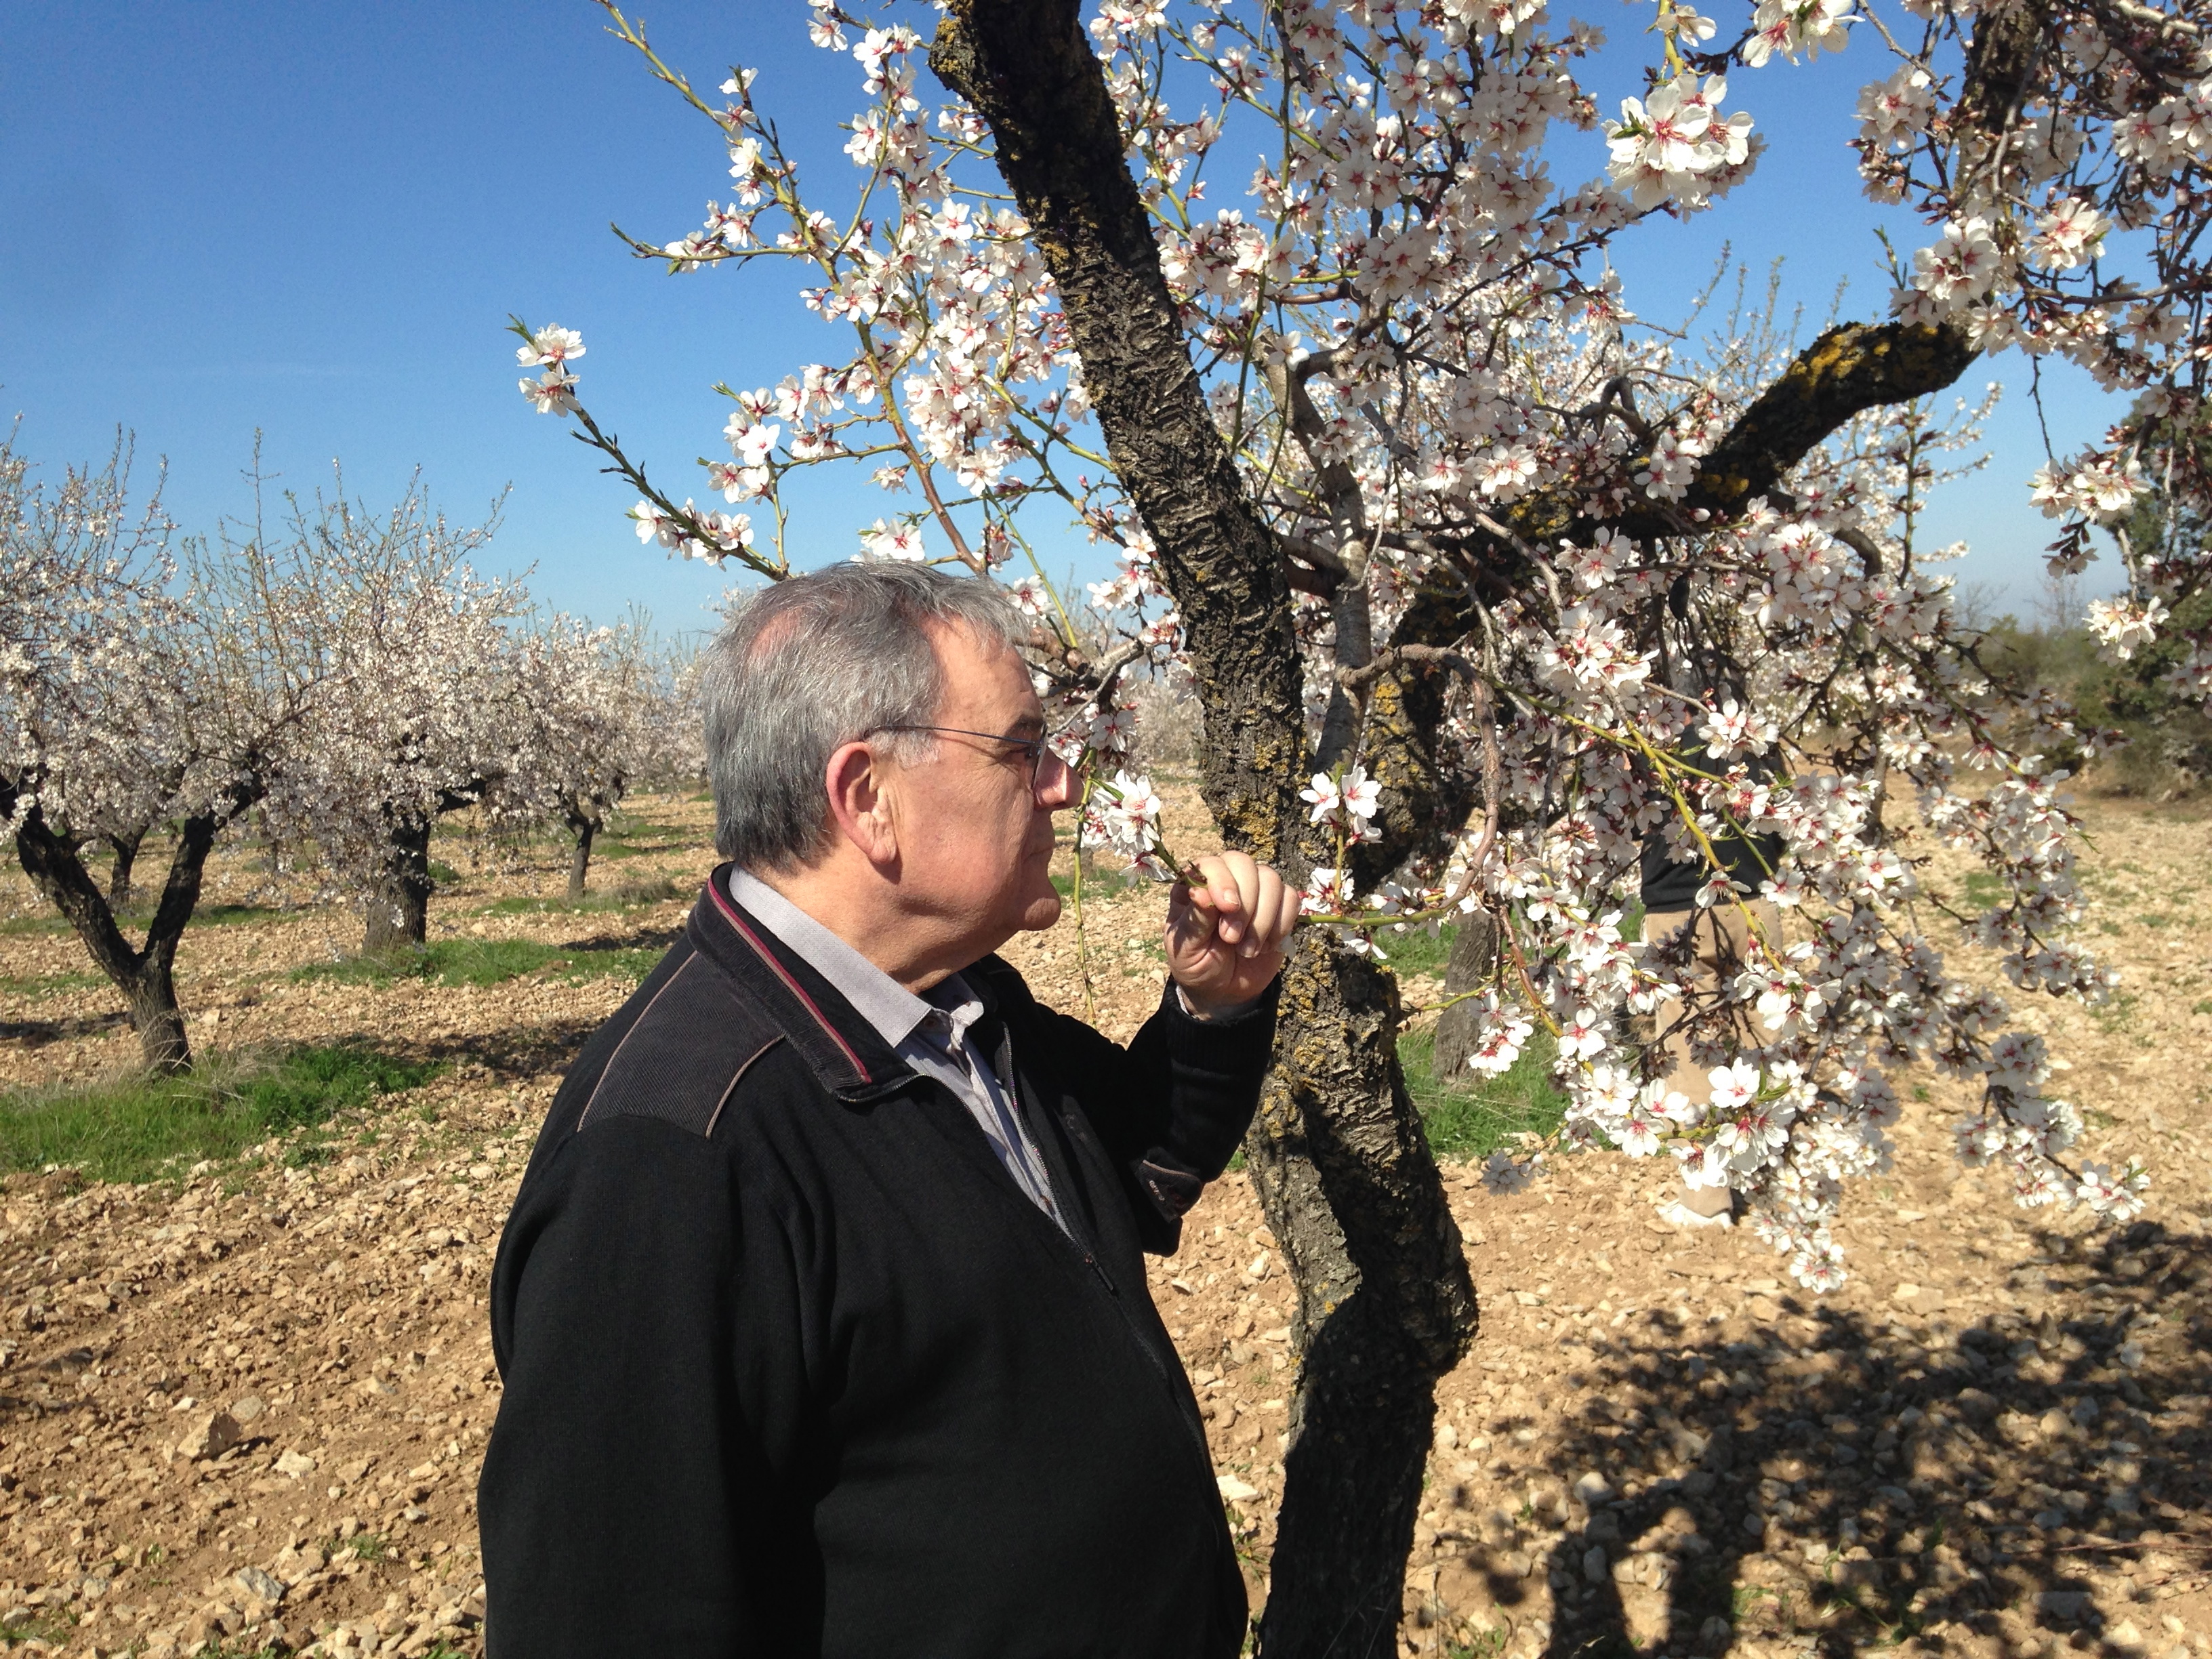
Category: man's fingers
[1266,901]
[1230,916]
[1247,904]
[1276,913]
[1230,890]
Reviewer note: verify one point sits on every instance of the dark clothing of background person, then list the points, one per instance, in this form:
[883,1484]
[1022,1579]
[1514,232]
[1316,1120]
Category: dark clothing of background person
[792,1367]
[1719,934]
[1672,884]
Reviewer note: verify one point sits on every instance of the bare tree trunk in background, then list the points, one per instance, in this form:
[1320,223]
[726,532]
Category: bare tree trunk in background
[156,1017]
[580,859]
[126,855]
[1474,956]
[145,977]
[398,912]
[1386,1305]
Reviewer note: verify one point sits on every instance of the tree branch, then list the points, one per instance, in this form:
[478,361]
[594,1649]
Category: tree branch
[1850,369]
[1029,71]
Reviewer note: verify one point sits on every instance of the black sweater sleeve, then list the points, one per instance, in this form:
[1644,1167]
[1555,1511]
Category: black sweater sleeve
[637,1496]
[1171,1107]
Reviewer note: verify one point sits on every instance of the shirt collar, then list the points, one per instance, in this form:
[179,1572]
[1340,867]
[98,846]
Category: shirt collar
[895,1011]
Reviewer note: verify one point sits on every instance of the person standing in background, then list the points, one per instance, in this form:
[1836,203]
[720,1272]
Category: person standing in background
[1719,933]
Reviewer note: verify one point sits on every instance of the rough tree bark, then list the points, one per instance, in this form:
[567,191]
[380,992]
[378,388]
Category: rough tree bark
[146,977]
[1386,1305]
[1474,959]
[1351,613]
[398,912]
[579,859]
[126,848]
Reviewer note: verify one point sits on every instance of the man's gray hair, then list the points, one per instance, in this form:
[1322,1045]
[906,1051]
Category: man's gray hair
[811,662]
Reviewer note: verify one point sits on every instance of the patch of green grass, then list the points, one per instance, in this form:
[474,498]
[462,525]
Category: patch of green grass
[540,907]
[139,1128]
[631,837]
[1140,956]
[136,916]
[2116,1013]
[2154,920]
[457,962]
[56,1629]
[362,1547]
[47,985]
[1985,888]
[1417,951]
[444,874]
[31,923]
[2203,1008]
[1475,1118]
[1100,883]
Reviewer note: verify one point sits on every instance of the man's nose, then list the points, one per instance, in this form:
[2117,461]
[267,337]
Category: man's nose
[1056,783]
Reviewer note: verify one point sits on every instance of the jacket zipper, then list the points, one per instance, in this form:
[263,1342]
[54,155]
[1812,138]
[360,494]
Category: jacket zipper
[1197,1436]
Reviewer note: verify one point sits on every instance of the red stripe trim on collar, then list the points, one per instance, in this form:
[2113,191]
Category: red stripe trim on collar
[730,915]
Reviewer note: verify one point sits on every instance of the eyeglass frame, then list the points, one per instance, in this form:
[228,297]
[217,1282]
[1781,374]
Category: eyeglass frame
[1037,747]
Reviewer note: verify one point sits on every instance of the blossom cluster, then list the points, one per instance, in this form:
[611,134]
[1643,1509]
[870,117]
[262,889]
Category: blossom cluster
[2073,211]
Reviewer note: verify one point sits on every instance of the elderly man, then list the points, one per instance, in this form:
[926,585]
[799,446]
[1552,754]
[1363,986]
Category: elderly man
[822,1309]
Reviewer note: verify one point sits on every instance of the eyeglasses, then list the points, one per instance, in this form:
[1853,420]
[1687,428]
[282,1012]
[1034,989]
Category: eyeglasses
[1035,750]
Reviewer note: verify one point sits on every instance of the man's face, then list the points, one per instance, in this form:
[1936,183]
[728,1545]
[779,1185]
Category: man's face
[975,837]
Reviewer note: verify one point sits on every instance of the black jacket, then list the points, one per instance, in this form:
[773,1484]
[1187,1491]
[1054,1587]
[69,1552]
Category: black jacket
[1672,884]
[792,1367]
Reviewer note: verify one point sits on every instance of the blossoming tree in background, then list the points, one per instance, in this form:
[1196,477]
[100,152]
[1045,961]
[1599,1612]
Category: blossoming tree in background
[139,690]
[1483,584]
[419,712]
[602,713]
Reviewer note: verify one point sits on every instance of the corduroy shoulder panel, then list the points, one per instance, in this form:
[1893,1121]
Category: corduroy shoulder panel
[686,1055]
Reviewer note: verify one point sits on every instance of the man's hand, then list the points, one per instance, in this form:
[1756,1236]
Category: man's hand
[1225,939]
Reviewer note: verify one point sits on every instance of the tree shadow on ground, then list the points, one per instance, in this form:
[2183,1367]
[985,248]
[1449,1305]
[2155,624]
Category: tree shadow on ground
[1821,1481]
[637,939]
[38,1033]
[522,1055]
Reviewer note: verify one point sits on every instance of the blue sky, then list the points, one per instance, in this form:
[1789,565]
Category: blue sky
[313,220]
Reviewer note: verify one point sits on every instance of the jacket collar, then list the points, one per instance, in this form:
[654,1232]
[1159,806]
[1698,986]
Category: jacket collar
[847,1054]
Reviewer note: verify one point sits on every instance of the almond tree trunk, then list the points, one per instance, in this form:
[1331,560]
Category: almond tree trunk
[146,977]
[1386,1305]
[580,859]
[398,911]
[1471,966]
[126,856]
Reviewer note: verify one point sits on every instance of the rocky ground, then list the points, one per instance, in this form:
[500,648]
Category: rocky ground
[240,1409]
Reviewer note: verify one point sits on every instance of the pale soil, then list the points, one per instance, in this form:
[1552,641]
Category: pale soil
[1991,1441]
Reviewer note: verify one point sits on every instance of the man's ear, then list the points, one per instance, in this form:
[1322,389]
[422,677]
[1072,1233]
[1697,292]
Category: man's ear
[859,783]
